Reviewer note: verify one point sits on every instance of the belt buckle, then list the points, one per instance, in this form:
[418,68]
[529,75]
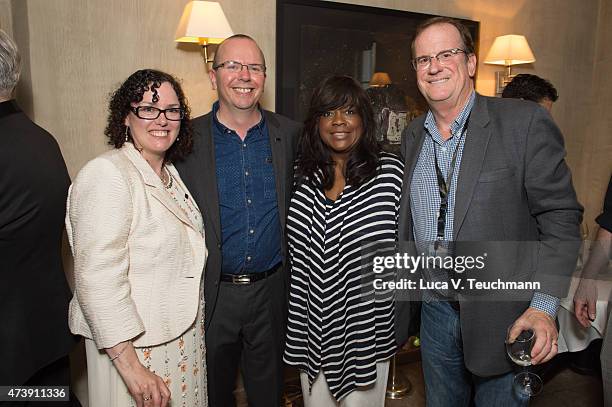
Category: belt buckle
[241,279]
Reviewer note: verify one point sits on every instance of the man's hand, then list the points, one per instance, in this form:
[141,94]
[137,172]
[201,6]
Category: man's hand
[545,331]
[585,301]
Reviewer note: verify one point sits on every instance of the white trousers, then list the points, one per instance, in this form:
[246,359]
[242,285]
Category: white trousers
[371,396]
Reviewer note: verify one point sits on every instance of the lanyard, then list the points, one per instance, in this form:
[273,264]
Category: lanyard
[444,186]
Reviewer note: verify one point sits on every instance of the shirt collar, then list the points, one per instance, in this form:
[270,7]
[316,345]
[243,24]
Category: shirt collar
[225,129]
[8,107]
[458,123]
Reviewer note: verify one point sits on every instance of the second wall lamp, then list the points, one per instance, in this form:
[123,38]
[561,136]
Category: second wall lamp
[508,50]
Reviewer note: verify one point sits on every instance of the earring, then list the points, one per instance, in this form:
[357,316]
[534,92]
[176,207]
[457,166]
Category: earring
[178,138]
[127,137]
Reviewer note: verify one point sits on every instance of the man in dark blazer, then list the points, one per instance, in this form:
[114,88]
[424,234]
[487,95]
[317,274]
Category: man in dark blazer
[485,170]
[34,294]
[240,174]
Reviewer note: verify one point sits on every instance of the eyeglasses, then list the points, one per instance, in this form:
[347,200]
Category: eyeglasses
[235,67]
[443,57]
[152,113]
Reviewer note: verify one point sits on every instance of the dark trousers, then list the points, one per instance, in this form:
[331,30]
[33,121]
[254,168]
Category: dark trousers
[247,331]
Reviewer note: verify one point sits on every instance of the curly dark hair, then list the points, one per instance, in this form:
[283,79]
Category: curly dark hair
[530,87]
[131,91]
[362,164]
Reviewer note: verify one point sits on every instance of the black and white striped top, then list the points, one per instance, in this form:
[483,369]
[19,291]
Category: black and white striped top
[332,325]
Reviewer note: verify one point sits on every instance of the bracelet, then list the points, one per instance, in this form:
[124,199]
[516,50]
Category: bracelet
[119,353]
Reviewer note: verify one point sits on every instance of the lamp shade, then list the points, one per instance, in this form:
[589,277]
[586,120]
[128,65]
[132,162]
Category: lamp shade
[203,22]
[510,50]
[380,79]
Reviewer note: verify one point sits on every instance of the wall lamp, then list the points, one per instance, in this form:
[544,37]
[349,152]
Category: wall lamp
[203,22]
[380,79]
[508,50]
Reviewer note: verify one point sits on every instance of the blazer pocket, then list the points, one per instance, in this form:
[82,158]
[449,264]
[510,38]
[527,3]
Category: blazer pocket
[496,175]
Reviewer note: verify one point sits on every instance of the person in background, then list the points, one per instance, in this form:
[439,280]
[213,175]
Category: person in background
[137,239]
[346,194]
[34,294]
[241,171]
[485,170]
[531,87]
[596,269]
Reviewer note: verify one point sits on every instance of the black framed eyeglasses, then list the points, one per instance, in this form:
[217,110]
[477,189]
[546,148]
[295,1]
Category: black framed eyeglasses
[151,113]
[235,67]
[444,58]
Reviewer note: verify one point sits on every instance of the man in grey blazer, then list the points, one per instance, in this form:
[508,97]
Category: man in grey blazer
[486,170]
[240,173]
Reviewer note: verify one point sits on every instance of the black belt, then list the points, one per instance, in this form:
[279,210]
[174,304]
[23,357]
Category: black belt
[248,278]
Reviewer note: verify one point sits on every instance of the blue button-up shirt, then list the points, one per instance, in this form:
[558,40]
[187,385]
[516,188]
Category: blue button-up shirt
[250,224]
[424,195]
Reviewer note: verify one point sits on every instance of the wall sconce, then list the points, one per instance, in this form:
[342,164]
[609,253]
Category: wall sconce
[508,50]
[203,22]
[380,79]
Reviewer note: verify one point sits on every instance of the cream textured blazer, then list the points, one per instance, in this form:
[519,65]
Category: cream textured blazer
[138,260]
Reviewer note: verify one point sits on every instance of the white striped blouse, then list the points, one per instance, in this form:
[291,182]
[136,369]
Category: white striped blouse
[332,325]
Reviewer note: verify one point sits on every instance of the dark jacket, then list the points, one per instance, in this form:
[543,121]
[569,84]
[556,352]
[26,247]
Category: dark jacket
[199,175]
[34,294]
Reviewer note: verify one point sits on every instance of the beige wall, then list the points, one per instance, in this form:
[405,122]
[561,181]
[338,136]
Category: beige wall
[6,17]
[78,52]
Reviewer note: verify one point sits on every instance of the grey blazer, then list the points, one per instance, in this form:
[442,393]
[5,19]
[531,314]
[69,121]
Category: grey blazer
[199,174]
[513,187]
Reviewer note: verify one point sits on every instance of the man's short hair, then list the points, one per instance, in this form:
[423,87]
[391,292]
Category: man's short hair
[244,37]
[10,65]
[530,87]
[466,36]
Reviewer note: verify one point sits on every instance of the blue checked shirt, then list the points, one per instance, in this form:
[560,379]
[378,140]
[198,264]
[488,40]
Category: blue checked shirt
[425,198]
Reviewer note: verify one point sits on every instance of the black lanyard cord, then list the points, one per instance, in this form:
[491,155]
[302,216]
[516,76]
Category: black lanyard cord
[444,185]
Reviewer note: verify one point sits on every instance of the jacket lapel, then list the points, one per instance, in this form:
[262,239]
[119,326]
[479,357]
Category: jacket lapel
[414,144]
[281,166]
[165,199]
[476,142]
[8,107]
[154,184]
[206,174]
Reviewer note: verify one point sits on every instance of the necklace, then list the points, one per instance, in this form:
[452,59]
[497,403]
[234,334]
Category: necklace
[166,177]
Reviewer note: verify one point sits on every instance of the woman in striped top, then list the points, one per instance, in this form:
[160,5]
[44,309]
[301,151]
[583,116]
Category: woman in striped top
[346,195]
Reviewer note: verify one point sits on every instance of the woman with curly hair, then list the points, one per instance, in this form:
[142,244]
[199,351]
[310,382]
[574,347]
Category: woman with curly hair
[346,199]
[138,244]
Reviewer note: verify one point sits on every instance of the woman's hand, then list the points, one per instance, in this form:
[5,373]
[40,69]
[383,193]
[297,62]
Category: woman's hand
[147,389]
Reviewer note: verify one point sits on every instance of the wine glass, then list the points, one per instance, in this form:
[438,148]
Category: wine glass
[525,383]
